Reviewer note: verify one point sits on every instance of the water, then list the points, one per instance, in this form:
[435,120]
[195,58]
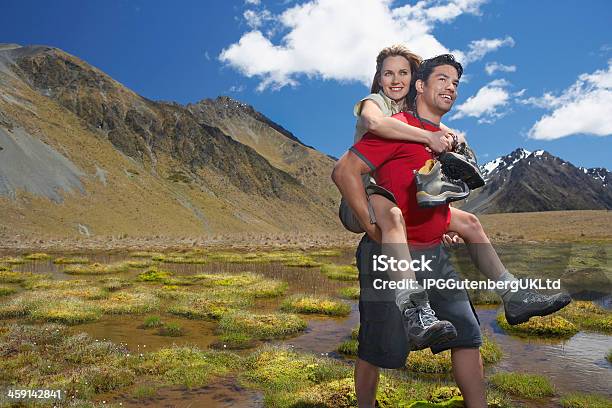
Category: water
[577,364]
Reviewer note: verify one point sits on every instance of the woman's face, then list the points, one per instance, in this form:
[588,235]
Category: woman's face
[395,77]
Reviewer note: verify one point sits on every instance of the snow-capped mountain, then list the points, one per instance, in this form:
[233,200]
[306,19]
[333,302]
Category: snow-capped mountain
[538,181]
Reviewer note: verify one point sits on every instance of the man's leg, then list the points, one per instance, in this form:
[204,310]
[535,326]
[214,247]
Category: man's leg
[422,327]
[519,306]
[469,376]
[366,381]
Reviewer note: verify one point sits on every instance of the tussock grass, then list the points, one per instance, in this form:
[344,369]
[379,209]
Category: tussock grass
[144,392]
[609,356]
[139,264]
[210,305]
[67,261]
[340,272]
[145,254]
[113,284]
[262,326]
[7,290]
[326,252]
[588,316]
[186,366]
[128,303]
[303,262]
[581,400]
[66,310]
[234,280]
[348,347]
[349,292]
[38,256]
[315,304]
[4,268]
[268,288]
[152,322]
[553,326]
[12,260]
[523,385]
[97,269]
[47,354]
[23,278]
[171,330]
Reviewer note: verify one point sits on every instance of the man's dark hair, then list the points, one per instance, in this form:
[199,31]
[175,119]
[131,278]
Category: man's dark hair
[428,66]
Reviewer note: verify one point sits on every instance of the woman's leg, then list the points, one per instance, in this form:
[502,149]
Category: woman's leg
[481,251]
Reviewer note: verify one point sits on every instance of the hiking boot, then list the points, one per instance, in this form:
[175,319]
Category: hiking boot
[434,188]
[523,305]
[422,327]
[461,165]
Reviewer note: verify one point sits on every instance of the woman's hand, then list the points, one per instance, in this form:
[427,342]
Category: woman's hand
[439,142]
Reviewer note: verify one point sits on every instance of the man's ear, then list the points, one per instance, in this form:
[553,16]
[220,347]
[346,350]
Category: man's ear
[419,85]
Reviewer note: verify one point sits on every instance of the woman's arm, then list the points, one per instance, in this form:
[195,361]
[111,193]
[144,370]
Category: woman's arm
[375,121]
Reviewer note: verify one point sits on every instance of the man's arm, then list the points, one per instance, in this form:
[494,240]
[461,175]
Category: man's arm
[372,118]
[347,177]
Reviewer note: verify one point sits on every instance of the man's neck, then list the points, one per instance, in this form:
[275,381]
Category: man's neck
[425,112]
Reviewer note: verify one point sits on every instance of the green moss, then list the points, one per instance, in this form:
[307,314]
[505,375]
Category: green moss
[224,279]
[6,290]
[186,366]
[4,268]
[522,385]
[588,316]
[349,292]
[424,361]
[152,322]
[114,284]
[609,356]
[37,256]
[128,303]
[66,310]
[19,277]
[171,330]
[550,326]
[581,400]
[234,341]
[65,261]
[302,261]
[139,264]
[183,260]
[267,288]
[153,275]
[144,392]
[315,304]
[262,326]
[340,272]
[97,269]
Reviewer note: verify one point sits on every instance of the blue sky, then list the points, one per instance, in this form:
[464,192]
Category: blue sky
[304,64]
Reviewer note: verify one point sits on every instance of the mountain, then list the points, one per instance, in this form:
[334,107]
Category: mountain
[524,181]
[82,153]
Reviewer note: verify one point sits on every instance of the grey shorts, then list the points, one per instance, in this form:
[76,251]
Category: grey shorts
[345,213]
[382,340]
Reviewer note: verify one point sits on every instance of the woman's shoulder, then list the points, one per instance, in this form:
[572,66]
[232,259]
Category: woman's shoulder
[378,99]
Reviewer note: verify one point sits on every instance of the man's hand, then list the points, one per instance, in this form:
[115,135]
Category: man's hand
[374,232]
[451,238]
[439,142]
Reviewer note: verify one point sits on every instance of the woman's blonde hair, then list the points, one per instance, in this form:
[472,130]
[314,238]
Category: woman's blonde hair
[393,51]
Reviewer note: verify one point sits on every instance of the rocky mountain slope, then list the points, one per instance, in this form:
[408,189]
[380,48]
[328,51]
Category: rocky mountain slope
[80,152]
[526,181]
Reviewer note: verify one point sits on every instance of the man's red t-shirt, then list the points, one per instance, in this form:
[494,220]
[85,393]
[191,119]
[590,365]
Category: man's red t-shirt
[393,163]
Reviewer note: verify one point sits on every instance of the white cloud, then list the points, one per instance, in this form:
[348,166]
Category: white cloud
[493,67]
[237,88]
[333,39]
[252,2]
[583,108]
[256,19]
[206,56]
[486,105]
[478,49]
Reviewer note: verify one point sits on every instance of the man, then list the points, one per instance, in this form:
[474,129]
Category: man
[382,342]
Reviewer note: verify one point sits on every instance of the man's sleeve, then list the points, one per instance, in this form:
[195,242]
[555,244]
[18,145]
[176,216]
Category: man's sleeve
[373,150]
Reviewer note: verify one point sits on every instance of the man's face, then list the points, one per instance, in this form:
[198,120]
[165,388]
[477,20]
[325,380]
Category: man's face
[440,90]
